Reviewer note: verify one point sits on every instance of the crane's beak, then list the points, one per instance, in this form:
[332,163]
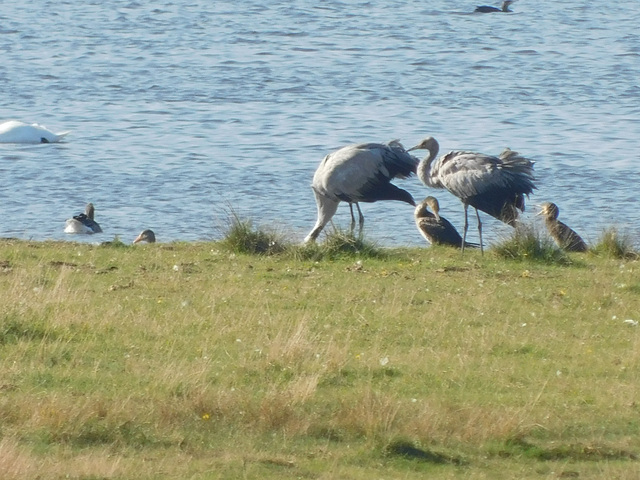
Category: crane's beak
[138,239]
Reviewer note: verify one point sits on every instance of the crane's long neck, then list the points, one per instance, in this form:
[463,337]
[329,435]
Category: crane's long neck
[424,167]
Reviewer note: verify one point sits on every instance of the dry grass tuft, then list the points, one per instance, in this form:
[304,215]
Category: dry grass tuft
[527,244]
[614,244]
[242,237]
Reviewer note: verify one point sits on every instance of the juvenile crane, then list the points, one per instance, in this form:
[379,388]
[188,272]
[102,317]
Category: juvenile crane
[436,229]
[495,185]
[565,237]
[83,223]
[360,173]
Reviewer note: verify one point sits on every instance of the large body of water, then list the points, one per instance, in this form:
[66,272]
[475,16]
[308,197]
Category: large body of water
[184,111]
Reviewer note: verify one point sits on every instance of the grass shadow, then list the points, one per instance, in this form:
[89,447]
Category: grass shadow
[406,449]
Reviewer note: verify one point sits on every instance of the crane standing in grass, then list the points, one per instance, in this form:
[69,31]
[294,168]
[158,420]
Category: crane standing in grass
[495,185]
[360,173]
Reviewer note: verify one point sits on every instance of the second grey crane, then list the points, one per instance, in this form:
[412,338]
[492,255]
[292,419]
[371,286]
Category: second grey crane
[495,185]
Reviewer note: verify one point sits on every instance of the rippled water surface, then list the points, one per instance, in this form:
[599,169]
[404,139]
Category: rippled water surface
[182,112]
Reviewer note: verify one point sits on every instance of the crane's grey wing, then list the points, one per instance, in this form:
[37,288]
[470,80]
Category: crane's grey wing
[396,161]
[468,174]
[348,172]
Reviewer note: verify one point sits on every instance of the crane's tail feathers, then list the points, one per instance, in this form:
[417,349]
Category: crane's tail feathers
[520,171]
[395,143]
[517,162]
[399,162]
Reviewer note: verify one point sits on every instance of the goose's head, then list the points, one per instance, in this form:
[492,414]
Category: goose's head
[146,236]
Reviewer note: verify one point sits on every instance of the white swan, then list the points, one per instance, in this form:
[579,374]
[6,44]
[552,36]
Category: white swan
[14,131]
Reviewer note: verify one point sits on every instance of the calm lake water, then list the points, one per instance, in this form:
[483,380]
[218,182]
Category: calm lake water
[182,112]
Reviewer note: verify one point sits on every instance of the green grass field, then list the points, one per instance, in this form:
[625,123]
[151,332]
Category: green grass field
[186,360]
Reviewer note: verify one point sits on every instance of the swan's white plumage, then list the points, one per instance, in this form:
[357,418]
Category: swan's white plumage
[14,131]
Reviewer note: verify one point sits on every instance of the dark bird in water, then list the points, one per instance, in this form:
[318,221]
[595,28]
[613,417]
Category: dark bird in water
[488,9]
[495,185]
[83,223]
[435,229]
[360,173]
[564,236]
[146,236]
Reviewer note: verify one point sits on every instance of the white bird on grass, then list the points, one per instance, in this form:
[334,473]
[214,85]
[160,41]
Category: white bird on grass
[495,185]
[360,173]
[14,131]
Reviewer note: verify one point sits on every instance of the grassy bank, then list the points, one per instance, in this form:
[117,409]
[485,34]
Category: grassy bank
[190,361]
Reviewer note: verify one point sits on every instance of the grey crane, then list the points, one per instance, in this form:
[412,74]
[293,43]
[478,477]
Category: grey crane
[360,173]
[436,229]
[489,9]
[495,185]
[565,237]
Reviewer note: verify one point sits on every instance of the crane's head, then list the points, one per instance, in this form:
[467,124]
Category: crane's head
[428,143]
[549,210]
